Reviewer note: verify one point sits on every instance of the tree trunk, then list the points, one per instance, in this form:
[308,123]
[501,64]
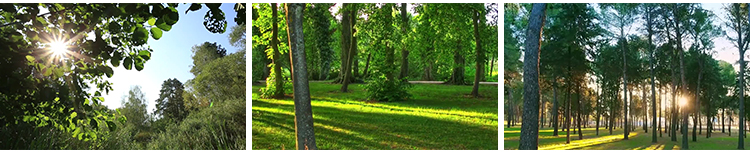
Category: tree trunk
[404,52]
[580,110]
[510,104]
[567,112]
[598,113]
[279,82]
[367,65]
[457,77]
[645,109]
[723,118]
[348,45]
[555,111]
[683,84]
[480,54]
[624,80]
[529,129]
[654,125]
[302,108]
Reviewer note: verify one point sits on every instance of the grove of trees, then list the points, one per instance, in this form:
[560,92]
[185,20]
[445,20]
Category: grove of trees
[622,66]
[351,43]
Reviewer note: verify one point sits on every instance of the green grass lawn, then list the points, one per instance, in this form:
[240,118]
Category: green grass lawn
[638,140]
[436,117]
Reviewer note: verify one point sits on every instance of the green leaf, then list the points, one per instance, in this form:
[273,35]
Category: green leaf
[115,61]
[156,33]
[194,7]
[73,115]
[145,54]
[76,132]
[128,63]
[172,16]
[139,64]
[58,72]
[151,21]
[30,58]
[156,9]
[114,27]
[111,125]
[140,36]
[108,71]
[94,123]
[162,25]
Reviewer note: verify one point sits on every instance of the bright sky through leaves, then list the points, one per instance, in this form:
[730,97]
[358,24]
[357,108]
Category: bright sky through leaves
[171,57]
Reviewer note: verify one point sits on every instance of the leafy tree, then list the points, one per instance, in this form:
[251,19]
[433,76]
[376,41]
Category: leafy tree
[738,18]
[171,103]
[322,32]
[204,54]
[134,108]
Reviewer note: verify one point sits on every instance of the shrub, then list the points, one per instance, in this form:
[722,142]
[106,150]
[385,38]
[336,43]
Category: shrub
[218,127]
[382,89]
[270,88]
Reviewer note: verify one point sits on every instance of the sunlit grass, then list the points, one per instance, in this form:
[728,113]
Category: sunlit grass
[585,142]
[346,121]
[637,140]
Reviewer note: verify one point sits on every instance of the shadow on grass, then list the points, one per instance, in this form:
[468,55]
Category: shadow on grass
[337,128]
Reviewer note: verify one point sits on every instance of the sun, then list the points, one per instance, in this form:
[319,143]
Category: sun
[682,101]
[58,48]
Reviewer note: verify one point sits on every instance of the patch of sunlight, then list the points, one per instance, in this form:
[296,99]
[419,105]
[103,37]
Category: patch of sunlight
[585,142]
[551,130]
[341,130]
[655,147]
[428,110]
[333,128]
[275,110]
[360,108]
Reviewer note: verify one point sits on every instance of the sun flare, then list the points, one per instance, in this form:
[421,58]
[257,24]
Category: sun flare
[682,101]
[58,48]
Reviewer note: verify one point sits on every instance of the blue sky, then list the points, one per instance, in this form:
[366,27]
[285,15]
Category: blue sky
[171,57]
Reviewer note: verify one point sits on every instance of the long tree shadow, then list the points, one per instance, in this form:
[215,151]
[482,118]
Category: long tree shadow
[338,128]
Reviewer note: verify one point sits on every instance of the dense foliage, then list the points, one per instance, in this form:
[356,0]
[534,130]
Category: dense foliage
[53,101]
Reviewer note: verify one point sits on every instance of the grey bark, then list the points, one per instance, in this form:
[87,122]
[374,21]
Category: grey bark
[303,116]
[529,129]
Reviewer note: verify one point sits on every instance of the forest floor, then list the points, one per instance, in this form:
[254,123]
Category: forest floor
[638,140]
[436,117]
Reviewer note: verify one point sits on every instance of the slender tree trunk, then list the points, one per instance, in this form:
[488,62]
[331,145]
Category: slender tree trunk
[645,110]
[302,108]
[682,77]
[347,45]
[510,103]
[404,51]
[555,110]
[567,115]
[279,82]
[661,101]
[580,110]
[598,113]
[529,129]
[479,52]
[367,65]
[741,142]
[624,80]
[723,118]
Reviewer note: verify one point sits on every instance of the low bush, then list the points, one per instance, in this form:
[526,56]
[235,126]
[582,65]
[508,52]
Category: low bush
[382,89]
[219,127]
